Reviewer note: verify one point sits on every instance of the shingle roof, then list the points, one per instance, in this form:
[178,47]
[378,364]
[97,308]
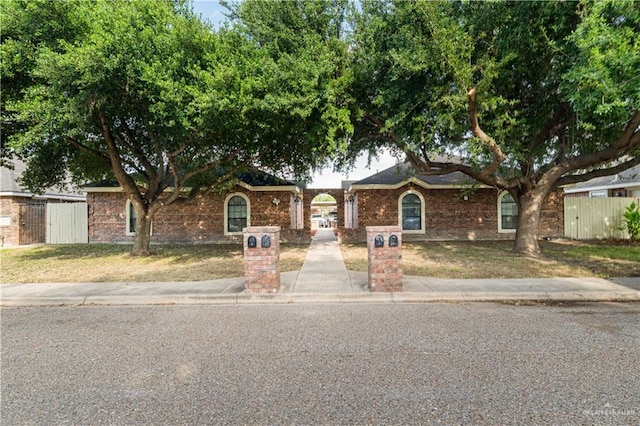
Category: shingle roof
[252,177]
[630,177]
[9,184]
[402,172]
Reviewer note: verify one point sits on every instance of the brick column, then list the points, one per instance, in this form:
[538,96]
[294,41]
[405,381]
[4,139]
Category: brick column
[385,260]
[262,262]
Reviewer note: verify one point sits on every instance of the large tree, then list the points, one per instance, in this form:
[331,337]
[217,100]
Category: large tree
[527,96]
[146,93]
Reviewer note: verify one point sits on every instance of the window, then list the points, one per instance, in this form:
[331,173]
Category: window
[132,218]
[598,194]
[411,212]
[237,214]
[508,213]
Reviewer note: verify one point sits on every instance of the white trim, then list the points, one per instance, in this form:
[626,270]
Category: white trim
[226,212]
[500,230]
[284,188]
[103,189]
[422,229]
[68,197]
[623,185]
[415,181]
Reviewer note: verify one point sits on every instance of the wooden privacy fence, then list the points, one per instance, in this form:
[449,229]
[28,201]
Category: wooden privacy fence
[594,218]
[67,223]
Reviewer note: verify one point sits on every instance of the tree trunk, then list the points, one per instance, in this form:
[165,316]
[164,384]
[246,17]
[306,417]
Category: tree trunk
[526,242]
[142,239]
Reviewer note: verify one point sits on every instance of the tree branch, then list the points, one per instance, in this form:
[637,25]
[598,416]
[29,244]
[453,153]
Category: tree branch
[498,156]
[567,180]
[123,178]
[86,149]
[551,126]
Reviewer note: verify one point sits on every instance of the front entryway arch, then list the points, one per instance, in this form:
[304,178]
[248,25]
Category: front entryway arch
[324,201]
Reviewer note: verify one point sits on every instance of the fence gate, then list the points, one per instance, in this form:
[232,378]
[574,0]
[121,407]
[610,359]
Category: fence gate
[594,218]
[32,222]
[67,223]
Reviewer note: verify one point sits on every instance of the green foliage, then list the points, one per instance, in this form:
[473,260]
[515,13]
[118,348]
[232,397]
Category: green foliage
[146,93]
[632,220]
[555,85]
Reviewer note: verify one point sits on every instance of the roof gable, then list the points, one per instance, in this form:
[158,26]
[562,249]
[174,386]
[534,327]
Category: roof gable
[403,173]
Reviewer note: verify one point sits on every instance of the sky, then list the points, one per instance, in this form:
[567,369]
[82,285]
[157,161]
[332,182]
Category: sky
[214,12]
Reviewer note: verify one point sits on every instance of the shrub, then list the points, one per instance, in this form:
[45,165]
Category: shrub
[632,220]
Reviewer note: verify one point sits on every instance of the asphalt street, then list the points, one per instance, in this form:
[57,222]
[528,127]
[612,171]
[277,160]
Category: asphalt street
[465,363]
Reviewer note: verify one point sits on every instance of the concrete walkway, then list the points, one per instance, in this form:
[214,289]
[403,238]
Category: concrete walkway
[323,270]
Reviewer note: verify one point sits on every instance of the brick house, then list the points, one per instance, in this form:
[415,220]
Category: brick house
[257,199]
[450,206]
[426,207]
[22,213]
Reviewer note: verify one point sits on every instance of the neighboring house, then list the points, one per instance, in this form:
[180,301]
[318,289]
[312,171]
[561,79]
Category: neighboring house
[595,209]
[451,206]
[427,207]
[23,214]
[624,184]
[257,199]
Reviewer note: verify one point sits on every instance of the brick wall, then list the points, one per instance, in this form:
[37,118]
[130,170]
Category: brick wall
[10,208]
[200,219]
[448,215]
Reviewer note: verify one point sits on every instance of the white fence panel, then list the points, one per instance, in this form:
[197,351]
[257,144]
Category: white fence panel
[594,218]
[67,223]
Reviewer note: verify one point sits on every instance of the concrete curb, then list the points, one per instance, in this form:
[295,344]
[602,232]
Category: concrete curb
[319,298]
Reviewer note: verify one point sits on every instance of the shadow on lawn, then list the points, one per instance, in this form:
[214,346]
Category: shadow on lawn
[177,253]
[596,258]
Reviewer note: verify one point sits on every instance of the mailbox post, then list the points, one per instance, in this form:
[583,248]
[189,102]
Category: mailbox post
[261,259]
[384,248]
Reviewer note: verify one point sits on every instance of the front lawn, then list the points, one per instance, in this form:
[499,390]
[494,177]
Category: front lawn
[494,259]
[112,262]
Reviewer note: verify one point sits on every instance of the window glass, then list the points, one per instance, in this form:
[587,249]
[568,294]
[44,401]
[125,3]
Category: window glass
[411,212]
[236,214]
[508,212]
[132,224]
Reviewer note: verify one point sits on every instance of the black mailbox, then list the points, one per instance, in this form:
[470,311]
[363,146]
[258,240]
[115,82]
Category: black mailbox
[266,241]
[252,242]
[393,241]
[378,241]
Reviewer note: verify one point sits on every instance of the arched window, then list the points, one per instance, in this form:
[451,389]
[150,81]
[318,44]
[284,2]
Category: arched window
[411,212]
[237,213]
[507,213]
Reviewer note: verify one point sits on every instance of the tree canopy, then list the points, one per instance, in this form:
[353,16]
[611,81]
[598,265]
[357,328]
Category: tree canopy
[522,96]
[146,93]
